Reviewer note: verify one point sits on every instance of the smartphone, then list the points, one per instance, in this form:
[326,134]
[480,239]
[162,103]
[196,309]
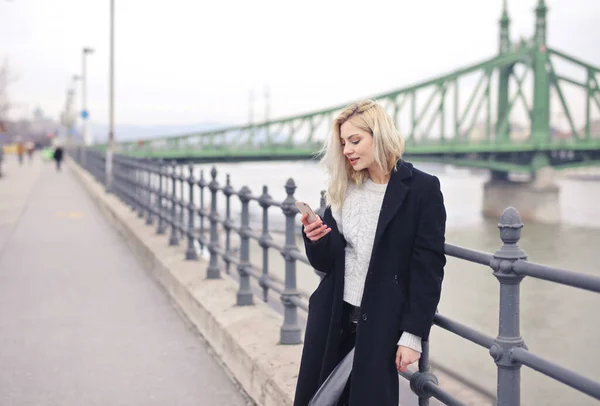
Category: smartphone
[305,208]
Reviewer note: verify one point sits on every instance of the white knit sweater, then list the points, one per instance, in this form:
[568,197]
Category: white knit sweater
[357,222]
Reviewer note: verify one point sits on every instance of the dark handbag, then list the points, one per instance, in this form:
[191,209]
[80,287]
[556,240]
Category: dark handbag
[331,390]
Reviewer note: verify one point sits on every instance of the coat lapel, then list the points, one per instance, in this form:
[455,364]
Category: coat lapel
[394,196]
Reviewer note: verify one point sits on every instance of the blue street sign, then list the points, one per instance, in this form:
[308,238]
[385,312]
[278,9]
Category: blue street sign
[85,114]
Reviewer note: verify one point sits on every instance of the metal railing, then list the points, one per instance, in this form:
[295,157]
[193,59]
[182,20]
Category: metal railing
[155,189]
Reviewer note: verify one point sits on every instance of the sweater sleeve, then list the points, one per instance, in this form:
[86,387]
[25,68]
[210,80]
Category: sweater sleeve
[411,341]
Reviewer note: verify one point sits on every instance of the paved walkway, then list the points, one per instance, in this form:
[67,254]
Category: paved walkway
[81,323]
[16,185]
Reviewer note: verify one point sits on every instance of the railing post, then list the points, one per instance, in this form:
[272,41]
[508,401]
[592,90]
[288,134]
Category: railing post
[228,191]
[120,176]
[161,229]
[182,179]
[115,187]
[123,185]
[131,189]
[91,166]
[290,331]
[139,183]
[509,335]
[149,179]
[97,161]
[191,254]
[244,294]
[322,205]
[213,271]
[174,239]
[420,379]
[202,185]
[264,201]
[102,169]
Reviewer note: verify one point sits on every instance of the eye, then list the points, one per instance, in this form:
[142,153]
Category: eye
[355,142]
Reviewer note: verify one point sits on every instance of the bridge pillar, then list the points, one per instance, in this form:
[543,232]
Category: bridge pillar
[536,200]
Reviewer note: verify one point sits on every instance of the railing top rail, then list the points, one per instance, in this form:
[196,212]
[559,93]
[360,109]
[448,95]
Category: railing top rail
[528,268]
[555,371]
[468,254]
[556,275]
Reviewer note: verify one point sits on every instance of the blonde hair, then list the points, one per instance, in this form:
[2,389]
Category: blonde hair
[388,147]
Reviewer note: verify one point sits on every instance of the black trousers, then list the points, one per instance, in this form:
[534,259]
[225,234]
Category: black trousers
[348,332]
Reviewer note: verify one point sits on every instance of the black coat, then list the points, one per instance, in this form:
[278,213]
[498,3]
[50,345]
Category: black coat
[401,293]
[58,154]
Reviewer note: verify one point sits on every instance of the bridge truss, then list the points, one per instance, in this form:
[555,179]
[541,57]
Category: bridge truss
[478,116]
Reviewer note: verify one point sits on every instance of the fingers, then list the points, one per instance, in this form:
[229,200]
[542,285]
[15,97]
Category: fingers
[316,230]
[306,223]
[401,363]
[404,359]
[304,220]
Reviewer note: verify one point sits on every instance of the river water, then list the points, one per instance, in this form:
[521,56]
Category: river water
[559,323]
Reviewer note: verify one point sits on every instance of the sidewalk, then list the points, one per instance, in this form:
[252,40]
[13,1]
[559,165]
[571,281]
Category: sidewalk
[16,185]
[81,323]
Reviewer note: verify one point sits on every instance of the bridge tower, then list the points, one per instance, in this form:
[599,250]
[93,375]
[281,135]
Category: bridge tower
[538,199]
[504,75]
[540,126]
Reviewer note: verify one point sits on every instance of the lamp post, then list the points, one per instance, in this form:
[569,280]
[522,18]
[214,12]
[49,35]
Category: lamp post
[71,119]
[84,112]
[111,102]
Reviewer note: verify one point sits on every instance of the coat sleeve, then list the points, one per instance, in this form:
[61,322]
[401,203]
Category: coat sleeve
[427,264]
[321,253]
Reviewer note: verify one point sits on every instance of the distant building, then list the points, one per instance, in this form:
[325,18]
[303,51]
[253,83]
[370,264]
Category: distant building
[39,130]
[594,131]
[517,132]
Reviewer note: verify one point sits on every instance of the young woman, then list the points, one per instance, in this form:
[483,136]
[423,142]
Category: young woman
[381,246]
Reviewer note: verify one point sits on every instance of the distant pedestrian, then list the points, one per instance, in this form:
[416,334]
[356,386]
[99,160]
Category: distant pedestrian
[58,156]
[30,147]
[381,247]
[20,151]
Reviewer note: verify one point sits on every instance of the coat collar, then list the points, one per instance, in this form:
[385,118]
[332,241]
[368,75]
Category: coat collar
[394,196]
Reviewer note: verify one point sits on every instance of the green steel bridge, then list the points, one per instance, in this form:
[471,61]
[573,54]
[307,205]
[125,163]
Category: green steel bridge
[479,116]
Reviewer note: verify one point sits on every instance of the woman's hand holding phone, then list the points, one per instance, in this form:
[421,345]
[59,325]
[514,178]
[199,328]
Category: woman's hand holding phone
[316,230]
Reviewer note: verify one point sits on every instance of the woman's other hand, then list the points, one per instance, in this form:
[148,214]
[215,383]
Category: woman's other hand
[315,230]
[406,356]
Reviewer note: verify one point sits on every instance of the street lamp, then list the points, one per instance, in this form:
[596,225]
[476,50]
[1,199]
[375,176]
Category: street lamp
[111,102]
[84,111]
[71,120]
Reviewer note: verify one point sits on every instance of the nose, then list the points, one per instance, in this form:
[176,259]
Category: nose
[348,150]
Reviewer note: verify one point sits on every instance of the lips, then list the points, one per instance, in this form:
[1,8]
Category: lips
[353,160]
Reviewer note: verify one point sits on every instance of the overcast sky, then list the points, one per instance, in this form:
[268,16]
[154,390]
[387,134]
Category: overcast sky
[187,61]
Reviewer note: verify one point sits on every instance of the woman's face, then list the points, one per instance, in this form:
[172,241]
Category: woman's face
[357,145]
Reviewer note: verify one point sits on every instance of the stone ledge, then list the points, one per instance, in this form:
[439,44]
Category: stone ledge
[245,338]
